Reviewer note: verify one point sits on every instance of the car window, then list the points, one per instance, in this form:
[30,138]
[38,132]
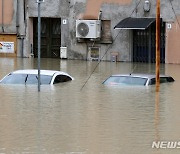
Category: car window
[152,81]
[125,80]
[14,79]
[137,81]
[162,80]
[61,78]
[33,79]
[46,79]
[170,79]
[26,79]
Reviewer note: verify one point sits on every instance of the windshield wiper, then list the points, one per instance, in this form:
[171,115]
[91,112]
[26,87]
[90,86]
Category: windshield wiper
[26,78]
[37,78]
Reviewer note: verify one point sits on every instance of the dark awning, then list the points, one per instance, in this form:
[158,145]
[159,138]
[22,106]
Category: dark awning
[135,23]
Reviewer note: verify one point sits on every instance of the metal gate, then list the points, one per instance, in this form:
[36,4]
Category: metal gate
[144,44]
[50,37]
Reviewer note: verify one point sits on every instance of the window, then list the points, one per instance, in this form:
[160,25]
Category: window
[26,79]
[125,80]
[33,79]
[61,78]
[170,79]
[152,81]
[162,80]
[14,79]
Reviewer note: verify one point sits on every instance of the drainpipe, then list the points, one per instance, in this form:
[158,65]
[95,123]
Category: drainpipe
[3,16]
[20,36]
[100,14]
[25,12]
[22,47]
[17,18]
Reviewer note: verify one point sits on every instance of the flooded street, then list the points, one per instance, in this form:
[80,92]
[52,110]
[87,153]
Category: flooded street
[96,119]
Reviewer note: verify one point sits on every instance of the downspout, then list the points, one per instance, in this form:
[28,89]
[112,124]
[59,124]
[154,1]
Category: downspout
[25,11]
[3,16]
[22,47]
[25,24]
[100,14]
[19,35]
[17,18]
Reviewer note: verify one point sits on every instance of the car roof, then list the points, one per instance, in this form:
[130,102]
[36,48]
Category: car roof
[42,72]
[149,76]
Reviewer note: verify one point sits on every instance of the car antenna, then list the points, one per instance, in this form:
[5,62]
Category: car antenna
[133,70]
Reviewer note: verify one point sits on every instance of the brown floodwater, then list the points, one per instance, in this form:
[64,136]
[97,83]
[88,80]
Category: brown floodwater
[96,119]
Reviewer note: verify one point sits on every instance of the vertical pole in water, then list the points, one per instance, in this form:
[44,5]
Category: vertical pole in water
[157,45]
[39,44]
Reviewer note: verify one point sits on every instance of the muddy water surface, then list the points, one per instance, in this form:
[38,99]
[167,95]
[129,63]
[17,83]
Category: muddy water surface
[66,119]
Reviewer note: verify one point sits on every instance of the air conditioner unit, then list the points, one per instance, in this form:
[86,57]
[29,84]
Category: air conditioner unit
[88,29]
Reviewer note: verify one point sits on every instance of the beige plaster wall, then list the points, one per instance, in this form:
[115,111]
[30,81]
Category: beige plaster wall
[173,43]
[93,7]
[7,11]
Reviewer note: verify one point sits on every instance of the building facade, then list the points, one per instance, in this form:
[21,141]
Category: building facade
[67,27]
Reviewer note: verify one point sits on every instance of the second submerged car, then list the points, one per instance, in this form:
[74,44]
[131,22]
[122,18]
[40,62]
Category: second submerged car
[136,79]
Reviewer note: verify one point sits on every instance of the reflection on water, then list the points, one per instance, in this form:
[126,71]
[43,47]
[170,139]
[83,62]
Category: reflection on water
[63,119]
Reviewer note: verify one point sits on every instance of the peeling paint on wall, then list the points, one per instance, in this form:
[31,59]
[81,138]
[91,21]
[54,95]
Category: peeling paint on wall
[93,7]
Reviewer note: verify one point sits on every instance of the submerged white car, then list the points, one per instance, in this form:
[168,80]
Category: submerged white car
[136,79]
[31,77]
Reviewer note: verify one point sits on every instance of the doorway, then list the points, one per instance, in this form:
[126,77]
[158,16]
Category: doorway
[50,37]
[144,44]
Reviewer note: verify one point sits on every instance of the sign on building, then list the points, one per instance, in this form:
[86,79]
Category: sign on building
[6,47]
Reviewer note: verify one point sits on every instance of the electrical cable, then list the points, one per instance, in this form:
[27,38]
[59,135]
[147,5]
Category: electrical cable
[98,64]
[107,49]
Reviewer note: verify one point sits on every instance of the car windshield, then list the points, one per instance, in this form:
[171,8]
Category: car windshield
[26,79]
[127,80]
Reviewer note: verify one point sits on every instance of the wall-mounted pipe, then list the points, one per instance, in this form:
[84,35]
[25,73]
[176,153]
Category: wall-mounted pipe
[24,4]
[17,17]
[22,47]
[3,16]
[100,14]
[25,14]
